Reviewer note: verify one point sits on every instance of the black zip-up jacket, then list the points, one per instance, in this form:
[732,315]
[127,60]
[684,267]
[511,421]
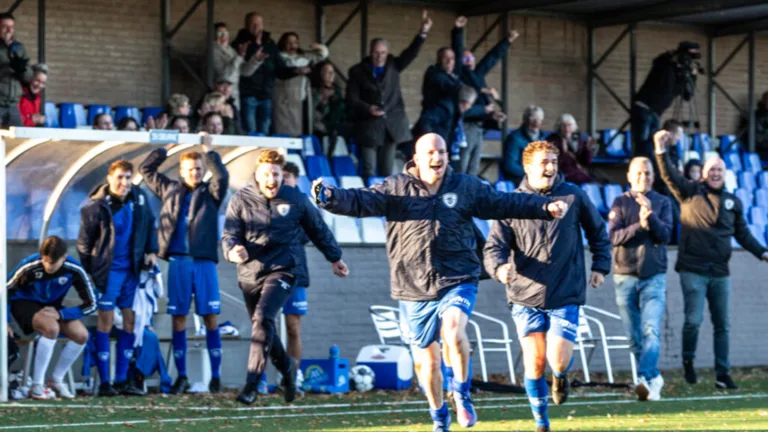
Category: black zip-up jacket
[97,233]
[709,218]
[260,84]
[431,243]
[202,230]
[301,272]
[666,81]
[268,228]
[547,257]
[636,251]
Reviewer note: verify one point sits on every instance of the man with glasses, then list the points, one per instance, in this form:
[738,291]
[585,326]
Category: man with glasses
[512,152]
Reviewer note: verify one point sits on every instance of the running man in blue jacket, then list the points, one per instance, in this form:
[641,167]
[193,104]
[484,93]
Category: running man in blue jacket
[37,287]
[542,266]
[432,253]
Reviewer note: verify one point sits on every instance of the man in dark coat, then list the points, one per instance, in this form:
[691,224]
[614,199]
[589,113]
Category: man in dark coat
[375,102]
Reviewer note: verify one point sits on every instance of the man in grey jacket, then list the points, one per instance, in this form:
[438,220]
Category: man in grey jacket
[14,70]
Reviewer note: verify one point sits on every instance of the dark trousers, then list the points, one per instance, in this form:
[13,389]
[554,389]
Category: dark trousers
[381,158]
[10,116]
[470,155]
[717,292]
[263,298]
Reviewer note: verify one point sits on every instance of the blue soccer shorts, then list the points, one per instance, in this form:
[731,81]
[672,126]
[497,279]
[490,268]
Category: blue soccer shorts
[188,276]
[562,321]
[420,321]
[297,303]
[120,291]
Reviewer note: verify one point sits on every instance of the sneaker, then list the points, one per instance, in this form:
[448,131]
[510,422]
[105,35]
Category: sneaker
[289,381]
[656,385]
[61,389]
[181,385]
[642,389]
[127,388]
[248,395]
[560,389]
[690,372]
[106,390]
[215,385]
[40,392]
[725,382]
[542,429]
[444,425]
[465,409]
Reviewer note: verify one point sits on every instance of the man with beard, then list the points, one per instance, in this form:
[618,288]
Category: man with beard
[542,265]
[432,253]
[263,221]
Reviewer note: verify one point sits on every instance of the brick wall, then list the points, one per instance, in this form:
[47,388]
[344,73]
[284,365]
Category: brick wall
[108,51]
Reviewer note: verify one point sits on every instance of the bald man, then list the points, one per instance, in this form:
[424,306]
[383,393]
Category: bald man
[710,216]
[435,269]
[640,225]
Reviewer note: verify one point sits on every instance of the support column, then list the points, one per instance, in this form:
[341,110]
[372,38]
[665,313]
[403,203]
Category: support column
[711,126]
[591,93]
[209,19]
[632,65]
[41,42]
[751,92]
[363,28]
[319,24]
[504,21]
[165,48]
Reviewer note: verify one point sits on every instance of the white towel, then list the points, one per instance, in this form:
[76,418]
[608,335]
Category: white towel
[145,301]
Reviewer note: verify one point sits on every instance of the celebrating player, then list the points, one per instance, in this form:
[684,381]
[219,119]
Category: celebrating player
[188,237]
[37,287]
[263,221]
[117,237]
[542,266]
[432,253]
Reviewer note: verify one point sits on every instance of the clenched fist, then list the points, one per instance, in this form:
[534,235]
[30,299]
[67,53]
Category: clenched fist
[557,209]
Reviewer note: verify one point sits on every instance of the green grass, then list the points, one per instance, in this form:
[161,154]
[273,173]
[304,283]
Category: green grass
[684,407]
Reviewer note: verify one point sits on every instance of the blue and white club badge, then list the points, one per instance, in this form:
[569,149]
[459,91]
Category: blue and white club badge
[450,199]
[729,204]
[283,209]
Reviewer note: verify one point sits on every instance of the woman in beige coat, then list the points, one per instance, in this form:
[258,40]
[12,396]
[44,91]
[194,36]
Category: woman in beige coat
[228,63]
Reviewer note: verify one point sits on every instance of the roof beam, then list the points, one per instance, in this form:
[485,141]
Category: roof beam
[736,28]
[667,10]
[475,8]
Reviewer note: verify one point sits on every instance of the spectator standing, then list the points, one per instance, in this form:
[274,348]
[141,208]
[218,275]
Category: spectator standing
[640,226]
[485,110]
[761,127]
[512,150]
[14,70]
[576,150]
[292,92]
[228,62]
[329,107]
[103,121]
[376,104]
[710,216]
[29,103]
[465,99]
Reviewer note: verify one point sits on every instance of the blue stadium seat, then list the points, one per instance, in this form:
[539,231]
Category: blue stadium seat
[701,143]
[330,181]
[733,161]
[375,180]
[761,198]
[127,111]
[317,166]
[483,226]
[72,115]
[148,112]
[493,135]
[758,231]
[311,145]
[747,181]
[745,196]
[510,185]
[757,216]
[611,192]
[752,163]
[343,166]
[94,110]
[501,186]
[762,179]
[726,141]
[51,115]
[593,192]
[615,147]
[304,184]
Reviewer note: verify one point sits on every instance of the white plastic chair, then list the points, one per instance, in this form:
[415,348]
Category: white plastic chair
[503,345]
[691,154]
[373,231]
[386,320]
[731,182]
[351,182]
[710,154]
[586,338]
[346,230]
[292,157]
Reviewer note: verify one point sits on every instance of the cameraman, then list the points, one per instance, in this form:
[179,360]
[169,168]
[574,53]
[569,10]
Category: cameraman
[14,69]
[673,74]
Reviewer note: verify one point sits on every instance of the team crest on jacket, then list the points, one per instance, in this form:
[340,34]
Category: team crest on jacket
[450,199]
[38,275]
[141,200]
[283,209]
[728,204]
[63,280]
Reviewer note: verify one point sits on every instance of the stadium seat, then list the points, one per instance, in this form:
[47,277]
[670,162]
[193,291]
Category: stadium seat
[745,196]
[296,159]
[731,183]
[72,115]
[615,147]
[343,166]
[94,110]
[701,143]
[346,230]
[317,166]
[733,161]
[51,115]
[340,149]
[593,192]
[747,181]
[148,112]
[710,154]
[351,182]
[758,231]
[726,141]
[304,184]
[483,226]
[683,144]
[762,179]
[127,111]
[374,231]
[752,163]
[611,192]
[375,180]
[757,216]
[311,145]
[761,198]
[330,181]
[690,155]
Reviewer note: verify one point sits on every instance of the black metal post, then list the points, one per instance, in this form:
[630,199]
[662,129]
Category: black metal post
[632,65]
[343,25]
[184,19]
[504,21]
[319,24]
[731,56]
[591,94]
[363,28]
[751,92]
[14,6]
[41,42]
[485,34]
[612,47]
[209,18]
[610,91]
[711,126]
[165,48]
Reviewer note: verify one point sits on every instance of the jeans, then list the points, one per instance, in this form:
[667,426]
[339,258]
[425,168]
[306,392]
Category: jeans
[257,114]
[470,155]
[641,306]
[717,291]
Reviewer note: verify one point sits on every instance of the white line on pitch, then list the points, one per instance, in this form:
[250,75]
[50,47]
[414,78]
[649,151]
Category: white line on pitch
[349,413]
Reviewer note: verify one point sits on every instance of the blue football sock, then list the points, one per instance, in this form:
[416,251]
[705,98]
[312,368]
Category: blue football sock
[179,342]
[460,387]
[125,342]
[439,415]
[213,340]
[537,396]
[102,355]
[564,373]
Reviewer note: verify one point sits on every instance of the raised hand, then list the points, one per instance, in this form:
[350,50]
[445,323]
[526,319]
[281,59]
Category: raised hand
[661,140]
[261,55]
[319,191]
[461,22]
[426,22]
[513,34]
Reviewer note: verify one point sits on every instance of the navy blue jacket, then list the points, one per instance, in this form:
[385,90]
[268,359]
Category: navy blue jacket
[97,233]
[636,251]
[29,281]
[475,78]
[547,257]
[268,228]
[431,243]
[301,272]
[512,153]
[202,230]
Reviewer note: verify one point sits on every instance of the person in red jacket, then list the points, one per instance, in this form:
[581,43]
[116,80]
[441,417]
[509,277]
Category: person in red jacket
[576,151]
[29,103]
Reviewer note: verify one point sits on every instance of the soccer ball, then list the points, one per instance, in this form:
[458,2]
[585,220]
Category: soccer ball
[361,378]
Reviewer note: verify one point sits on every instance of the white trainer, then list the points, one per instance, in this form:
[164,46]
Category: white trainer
[656,386]
[40,392]
[642,389]
[61,389]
